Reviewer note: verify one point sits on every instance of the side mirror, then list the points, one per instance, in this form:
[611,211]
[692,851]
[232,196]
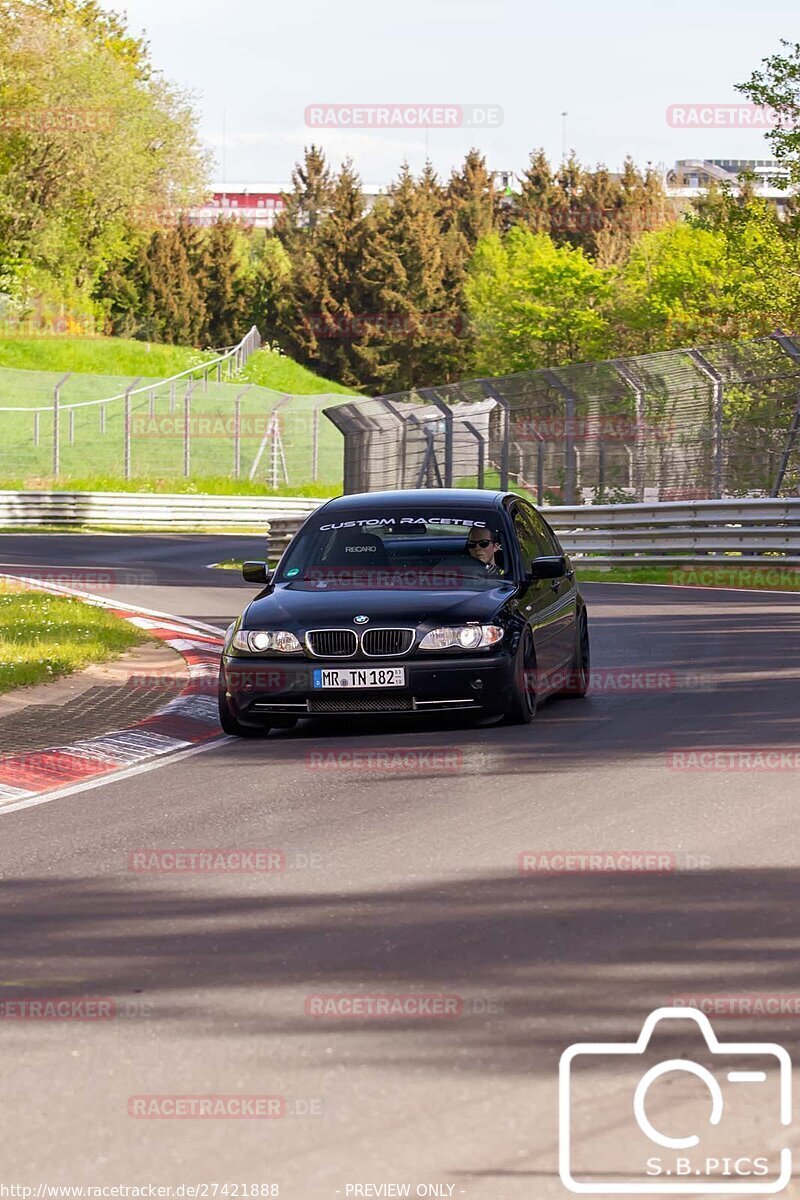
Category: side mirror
[554,567]
[256,572]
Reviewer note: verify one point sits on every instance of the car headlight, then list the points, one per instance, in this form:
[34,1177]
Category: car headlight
[260,641]
[464,637]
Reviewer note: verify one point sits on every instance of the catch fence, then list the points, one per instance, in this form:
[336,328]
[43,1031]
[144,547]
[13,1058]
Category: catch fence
[688,424]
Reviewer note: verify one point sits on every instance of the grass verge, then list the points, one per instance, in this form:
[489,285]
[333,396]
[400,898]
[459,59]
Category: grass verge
[43,636]
[747,578]
[271,369]
[98,356]
[200,485]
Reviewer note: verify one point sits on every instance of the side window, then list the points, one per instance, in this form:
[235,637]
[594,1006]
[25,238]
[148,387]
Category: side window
[546,540]
[526,536]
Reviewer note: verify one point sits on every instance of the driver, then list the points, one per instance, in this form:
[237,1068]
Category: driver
[482,546]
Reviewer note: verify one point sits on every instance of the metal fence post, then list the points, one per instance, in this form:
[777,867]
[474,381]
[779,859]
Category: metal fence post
[570,413]
[505,446]
[638,467]
[401,458]
[126,454]
[187,437]
[237,432]
[36,428]
[481,450]
[717,442]
[788,346]
[102,418]
[315,444]
[56,425]
[446,410]
[72,426]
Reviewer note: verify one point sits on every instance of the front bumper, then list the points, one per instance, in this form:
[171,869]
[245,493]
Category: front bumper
[256,689]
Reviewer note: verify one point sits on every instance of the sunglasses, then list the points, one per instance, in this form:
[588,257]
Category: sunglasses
[483,543]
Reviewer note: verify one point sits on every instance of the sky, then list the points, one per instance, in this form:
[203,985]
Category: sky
[613,66]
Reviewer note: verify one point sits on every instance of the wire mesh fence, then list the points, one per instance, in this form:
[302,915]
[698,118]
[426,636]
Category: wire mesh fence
[693,423]
[203,422]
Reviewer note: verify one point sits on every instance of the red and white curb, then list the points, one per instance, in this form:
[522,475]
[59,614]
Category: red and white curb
[186,721]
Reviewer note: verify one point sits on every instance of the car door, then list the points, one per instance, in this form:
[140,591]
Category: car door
[538,602]
[564,590]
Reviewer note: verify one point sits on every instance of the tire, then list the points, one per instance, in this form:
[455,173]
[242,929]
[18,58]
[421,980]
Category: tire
[522,708]
[233,726]
[580,668]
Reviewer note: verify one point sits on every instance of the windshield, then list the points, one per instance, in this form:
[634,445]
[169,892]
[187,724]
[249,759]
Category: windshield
[405,548]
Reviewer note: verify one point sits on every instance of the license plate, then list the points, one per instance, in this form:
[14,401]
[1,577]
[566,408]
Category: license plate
[358,677]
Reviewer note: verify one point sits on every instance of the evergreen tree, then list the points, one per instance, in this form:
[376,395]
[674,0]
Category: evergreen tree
[343,326]
[538,194]
[222,275]
[472,203]
[404,270]
[297,229]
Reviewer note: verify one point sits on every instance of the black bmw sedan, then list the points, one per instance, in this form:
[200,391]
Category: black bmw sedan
[408,602]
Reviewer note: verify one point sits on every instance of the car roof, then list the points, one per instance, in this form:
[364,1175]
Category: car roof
[440,497]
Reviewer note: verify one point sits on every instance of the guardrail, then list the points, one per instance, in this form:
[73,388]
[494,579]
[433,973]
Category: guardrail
[156,512]
[687,532]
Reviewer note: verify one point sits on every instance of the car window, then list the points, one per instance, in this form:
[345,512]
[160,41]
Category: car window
[407,547]
[544,534]
[532,540]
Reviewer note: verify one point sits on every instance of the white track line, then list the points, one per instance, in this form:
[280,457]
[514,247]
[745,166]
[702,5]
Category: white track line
[107,602]
[177,623]
[112,776]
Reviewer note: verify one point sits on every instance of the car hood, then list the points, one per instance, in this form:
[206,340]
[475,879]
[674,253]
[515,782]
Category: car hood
[289,607]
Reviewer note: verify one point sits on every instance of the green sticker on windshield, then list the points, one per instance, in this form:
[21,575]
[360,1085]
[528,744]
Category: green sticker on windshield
[293,571]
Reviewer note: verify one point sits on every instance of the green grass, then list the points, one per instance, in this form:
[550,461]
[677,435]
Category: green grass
[93,447]
[270,369]
[98,356]
[44,636]
[200,485]
[748,578]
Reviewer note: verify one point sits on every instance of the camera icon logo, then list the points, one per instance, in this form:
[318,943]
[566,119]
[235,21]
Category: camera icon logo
[705,1124]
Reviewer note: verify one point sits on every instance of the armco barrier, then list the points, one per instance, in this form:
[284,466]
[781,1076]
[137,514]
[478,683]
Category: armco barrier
[696,531]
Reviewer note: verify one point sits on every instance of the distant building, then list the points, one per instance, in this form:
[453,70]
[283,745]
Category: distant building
[256,204]
[690,177]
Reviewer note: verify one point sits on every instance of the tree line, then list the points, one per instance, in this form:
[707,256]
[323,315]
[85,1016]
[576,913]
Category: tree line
[439,279]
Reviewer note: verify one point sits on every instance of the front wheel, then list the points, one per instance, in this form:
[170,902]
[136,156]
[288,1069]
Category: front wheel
[522,708]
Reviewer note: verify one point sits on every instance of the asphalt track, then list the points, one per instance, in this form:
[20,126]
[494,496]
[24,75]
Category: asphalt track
[400,881]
